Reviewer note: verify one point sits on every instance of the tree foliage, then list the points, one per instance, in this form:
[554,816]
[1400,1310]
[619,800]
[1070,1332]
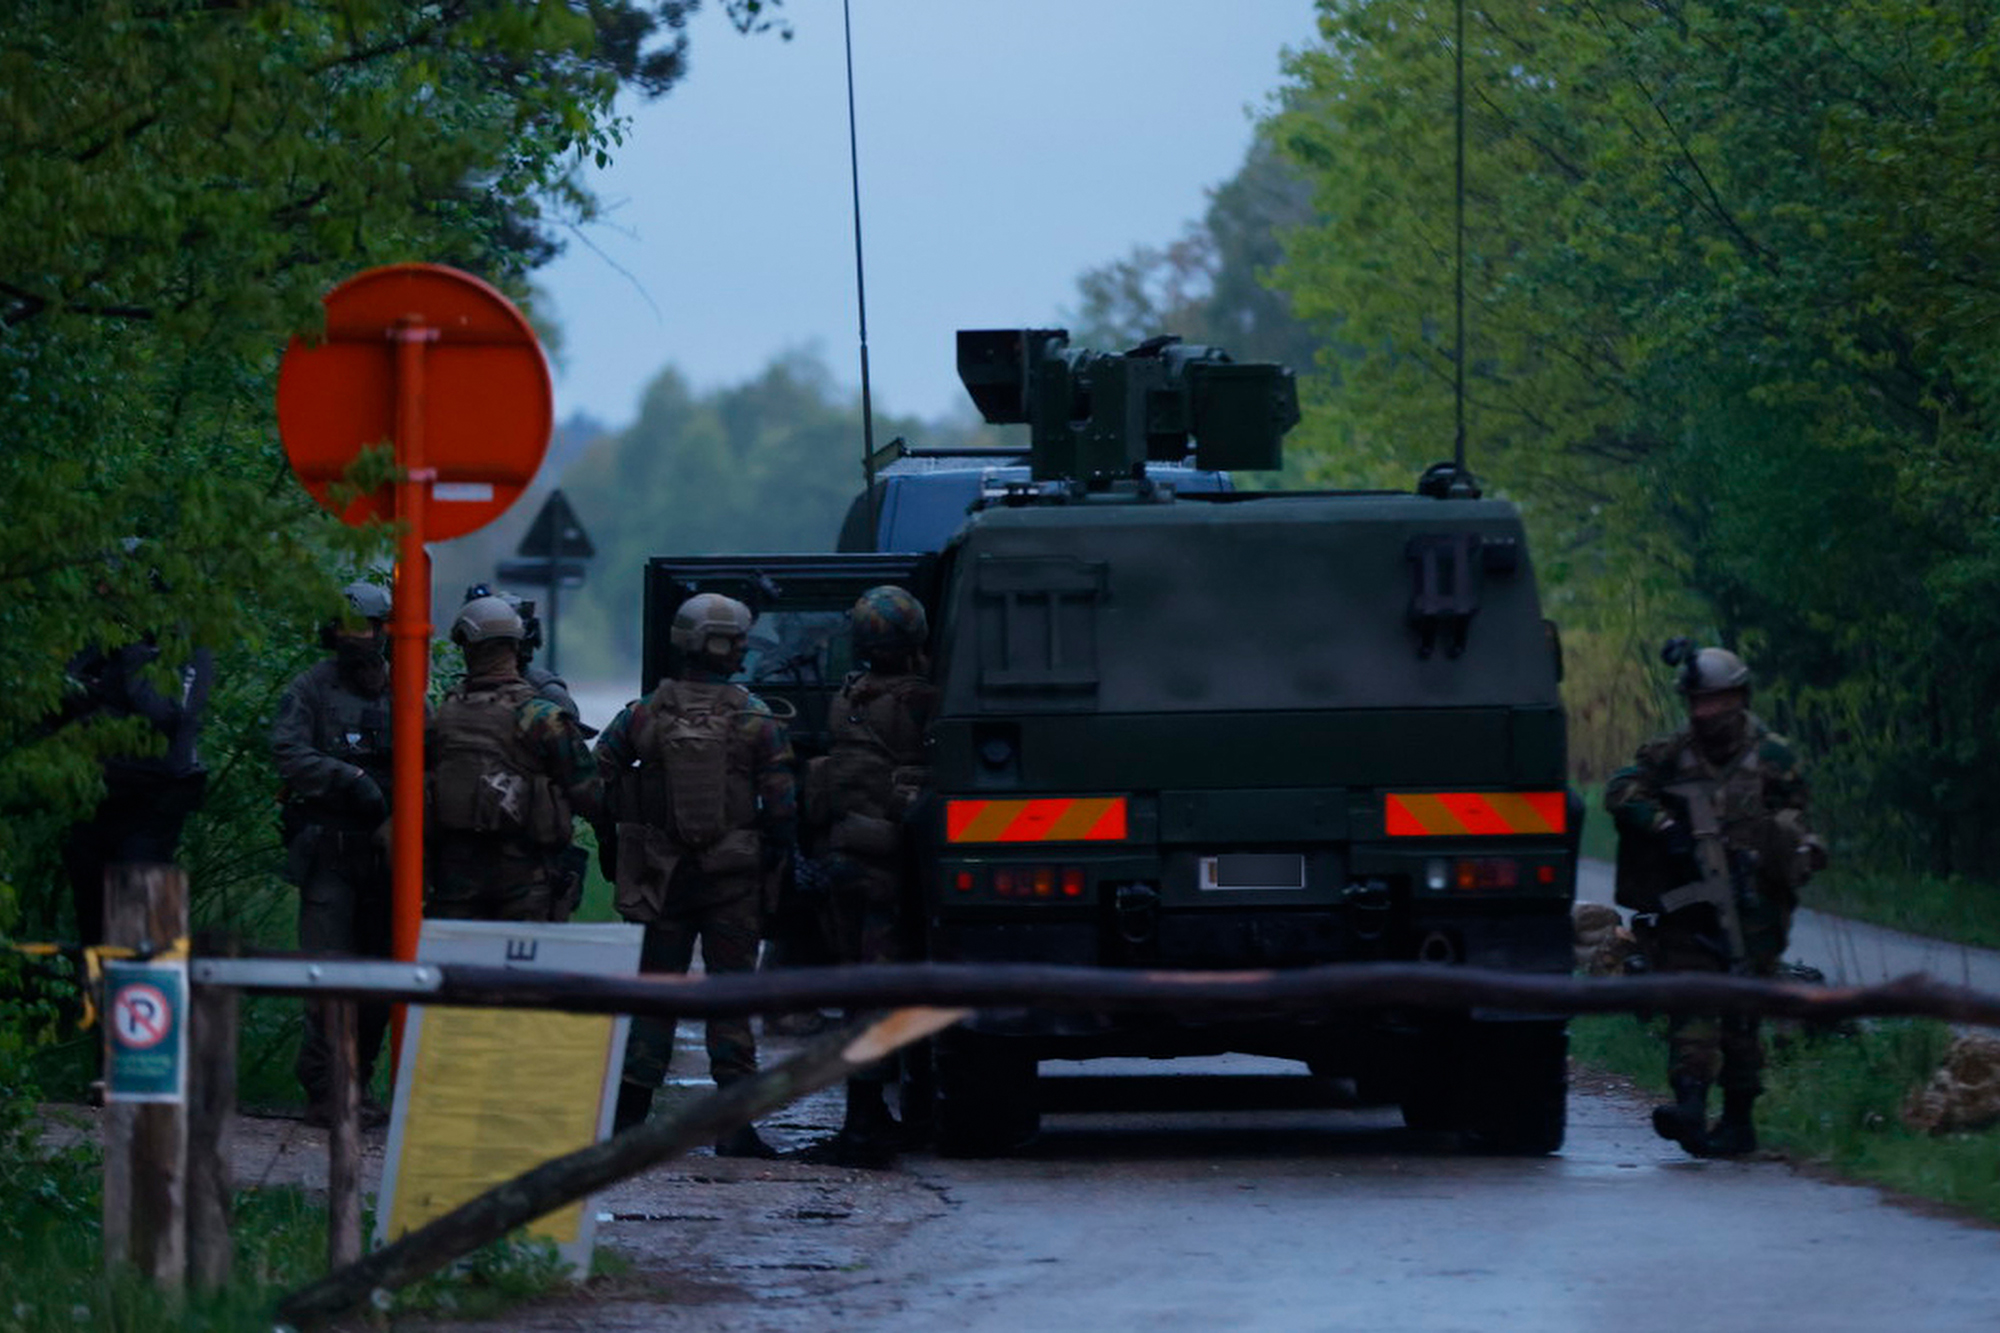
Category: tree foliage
[1208,285]
[1731,285]
[180,183]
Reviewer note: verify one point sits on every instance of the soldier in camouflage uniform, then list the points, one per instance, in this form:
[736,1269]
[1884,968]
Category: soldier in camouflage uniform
[702,806]
[330,741]
[1751,780]
[543,681]
[873,773]
[505,771]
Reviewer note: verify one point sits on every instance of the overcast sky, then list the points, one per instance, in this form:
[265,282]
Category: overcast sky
[1006,146]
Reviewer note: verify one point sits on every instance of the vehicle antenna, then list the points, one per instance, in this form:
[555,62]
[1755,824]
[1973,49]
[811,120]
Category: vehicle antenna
[860,283]
[1458,266]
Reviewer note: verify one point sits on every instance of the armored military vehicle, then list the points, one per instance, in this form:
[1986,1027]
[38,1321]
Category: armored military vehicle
[1218,729]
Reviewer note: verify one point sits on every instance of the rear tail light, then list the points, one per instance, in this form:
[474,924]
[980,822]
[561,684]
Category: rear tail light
[1475,874]
[1041,883]
[1471,874]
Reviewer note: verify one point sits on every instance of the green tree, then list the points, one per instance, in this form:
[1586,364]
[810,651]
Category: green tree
[1210,285]
[1728,291]
[180,182]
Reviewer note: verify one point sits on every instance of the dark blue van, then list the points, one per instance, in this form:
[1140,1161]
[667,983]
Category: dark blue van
[921,499]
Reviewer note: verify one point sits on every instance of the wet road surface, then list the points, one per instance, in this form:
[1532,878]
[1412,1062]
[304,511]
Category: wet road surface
[1237,1198]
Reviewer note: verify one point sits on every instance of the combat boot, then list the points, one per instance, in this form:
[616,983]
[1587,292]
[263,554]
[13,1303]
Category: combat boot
[745,1142]
[869,1136]
[1734,1135]
[1685,1119]
[635,1103]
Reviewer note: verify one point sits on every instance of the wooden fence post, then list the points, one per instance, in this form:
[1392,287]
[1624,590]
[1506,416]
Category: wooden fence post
[343,1139]
[145,1144]
[211,1114]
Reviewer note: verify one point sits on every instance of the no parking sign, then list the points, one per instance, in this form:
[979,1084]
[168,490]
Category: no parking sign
[145,1031]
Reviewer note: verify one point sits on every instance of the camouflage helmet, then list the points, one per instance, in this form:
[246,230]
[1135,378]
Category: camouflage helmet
[703,619]
[485,618]
[887,620]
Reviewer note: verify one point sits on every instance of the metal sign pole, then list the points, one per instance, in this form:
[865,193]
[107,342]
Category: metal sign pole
[555,604]
[410,633]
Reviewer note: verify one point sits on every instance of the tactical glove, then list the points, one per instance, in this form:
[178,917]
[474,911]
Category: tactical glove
[366,794]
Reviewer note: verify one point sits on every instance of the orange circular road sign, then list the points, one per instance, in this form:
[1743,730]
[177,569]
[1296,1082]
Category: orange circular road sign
[484,409]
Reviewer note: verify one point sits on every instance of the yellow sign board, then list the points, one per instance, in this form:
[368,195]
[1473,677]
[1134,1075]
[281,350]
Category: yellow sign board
[483,1095]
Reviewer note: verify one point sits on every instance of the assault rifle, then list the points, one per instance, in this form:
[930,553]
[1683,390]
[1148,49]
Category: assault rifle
[1717,883]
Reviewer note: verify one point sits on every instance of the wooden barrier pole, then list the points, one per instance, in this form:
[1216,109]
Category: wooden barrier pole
[343,1140]
[145,1144]
[1061,989]
[211,1115]
[823,1062]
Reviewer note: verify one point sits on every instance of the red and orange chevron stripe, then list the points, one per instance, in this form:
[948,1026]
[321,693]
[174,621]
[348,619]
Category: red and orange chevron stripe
[1435,814]
[1041,819]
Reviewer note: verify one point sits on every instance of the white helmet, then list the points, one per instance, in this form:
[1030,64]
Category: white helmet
[1713,670]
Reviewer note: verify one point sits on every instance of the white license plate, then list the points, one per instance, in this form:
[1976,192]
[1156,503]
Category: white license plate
[1253,871]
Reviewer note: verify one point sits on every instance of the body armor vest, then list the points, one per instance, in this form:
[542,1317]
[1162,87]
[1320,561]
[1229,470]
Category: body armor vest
[874,731]
[1644,871]
[694,779]
[484,778]
[354,729]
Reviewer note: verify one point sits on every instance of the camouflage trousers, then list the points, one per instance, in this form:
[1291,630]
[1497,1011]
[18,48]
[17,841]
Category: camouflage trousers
[344,908]
[864,922]
[480,877]
[1726,1049]
[727,929]
[864,910]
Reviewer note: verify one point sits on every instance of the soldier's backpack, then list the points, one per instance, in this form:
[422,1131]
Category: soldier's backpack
[483,778]
[694,770]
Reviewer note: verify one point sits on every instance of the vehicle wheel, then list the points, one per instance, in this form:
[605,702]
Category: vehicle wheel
[917,1104]
[986,1094]
[1518,1102]
[1429,1109]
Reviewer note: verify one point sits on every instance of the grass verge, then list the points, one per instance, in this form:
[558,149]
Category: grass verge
[1600,840]
[1831,1100]
[49,1222]
[1954,908]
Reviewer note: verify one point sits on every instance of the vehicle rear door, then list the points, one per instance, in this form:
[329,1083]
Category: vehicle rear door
[799,650]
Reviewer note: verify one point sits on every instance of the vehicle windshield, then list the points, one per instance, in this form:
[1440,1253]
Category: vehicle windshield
[798,648]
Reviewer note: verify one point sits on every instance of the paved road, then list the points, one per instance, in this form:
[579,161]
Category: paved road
[1336,1220]
[1247,1215]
